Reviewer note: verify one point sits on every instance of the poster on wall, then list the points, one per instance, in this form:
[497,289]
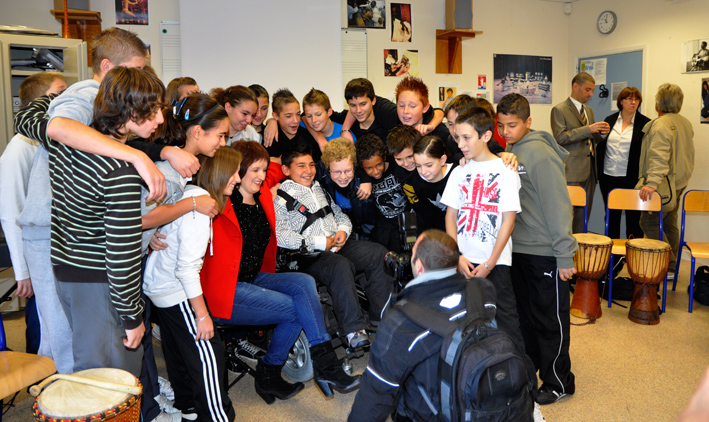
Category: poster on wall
[446,92]
[131,12]
[529,76]
[616,88]
[401,29]
[596,68]
[695,56]
[401,62]
[366,14]
[705,101]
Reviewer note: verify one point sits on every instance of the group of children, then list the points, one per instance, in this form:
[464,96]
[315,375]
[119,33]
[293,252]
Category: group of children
[343,174]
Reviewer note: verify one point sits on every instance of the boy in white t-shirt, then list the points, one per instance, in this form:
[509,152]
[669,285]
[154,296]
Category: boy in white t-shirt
[483,200]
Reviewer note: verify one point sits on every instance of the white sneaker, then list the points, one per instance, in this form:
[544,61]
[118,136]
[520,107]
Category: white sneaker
[165,404]
[537,413]
[166,389]
[168,417]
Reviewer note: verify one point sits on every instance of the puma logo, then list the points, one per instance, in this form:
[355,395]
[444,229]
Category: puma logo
[548,274]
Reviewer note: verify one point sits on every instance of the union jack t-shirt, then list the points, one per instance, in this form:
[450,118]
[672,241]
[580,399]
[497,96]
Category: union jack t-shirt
[481,192]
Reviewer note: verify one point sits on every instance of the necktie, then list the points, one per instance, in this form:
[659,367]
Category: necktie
[584,121]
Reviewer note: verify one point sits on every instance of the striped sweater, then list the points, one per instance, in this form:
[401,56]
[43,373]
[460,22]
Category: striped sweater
[96,221]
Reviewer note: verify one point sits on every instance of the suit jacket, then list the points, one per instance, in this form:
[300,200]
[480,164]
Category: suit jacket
[573,136]
[636,143]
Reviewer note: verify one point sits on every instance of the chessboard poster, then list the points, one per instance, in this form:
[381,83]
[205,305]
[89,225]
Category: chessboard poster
[132,12]
[529,76]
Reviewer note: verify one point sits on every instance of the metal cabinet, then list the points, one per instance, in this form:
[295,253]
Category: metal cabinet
[67,56]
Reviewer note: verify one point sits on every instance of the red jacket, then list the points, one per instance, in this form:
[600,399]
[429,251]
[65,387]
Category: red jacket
[221,267]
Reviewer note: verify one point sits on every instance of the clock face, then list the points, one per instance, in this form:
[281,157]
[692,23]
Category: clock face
[607,22]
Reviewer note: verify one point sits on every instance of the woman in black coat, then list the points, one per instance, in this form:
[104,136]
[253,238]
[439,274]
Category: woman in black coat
[618,157]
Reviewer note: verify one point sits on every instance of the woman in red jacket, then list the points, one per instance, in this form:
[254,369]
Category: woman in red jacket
[242,288]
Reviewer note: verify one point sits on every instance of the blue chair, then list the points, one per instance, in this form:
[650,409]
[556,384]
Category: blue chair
[693,201]
[629,199]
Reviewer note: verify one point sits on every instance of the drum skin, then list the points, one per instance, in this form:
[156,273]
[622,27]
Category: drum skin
[70,401]
[648,260]
[591,260]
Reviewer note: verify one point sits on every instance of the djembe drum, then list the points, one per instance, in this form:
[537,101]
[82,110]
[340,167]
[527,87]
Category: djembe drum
[591,261]
[648,260]
[76,401]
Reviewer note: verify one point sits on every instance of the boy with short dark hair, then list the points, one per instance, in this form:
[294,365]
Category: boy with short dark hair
[400,143]
[543,248]
[286,112]
[483,201]
[387,190]
[340,255]
[374,114]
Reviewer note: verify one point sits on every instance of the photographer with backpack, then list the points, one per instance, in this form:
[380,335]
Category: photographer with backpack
[440,320]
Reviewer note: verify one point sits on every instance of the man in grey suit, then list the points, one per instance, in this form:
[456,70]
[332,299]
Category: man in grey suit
[575,129]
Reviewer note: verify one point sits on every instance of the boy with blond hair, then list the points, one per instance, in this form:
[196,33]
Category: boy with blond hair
[316,112]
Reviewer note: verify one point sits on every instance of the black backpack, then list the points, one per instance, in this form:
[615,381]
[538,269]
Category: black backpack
[481,371]
[701,285]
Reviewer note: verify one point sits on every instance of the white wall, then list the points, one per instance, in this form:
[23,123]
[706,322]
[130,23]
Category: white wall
[509,27]
[35,13]
[275,43]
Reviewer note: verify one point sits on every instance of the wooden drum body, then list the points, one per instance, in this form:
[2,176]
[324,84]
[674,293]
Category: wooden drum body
[591,261]
[69,401]
[648,260]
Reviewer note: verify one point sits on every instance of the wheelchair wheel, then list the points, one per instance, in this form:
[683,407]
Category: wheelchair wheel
[299,365]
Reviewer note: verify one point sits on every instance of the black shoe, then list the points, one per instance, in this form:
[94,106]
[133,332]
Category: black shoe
[327,371]
[271,386]
[247,350]
[547,395]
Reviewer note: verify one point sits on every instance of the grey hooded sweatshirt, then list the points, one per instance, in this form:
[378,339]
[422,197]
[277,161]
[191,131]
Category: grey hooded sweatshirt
[544,225]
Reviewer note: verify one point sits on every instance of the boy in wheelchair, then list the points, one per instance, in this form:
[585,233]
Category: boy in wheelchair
[307,220]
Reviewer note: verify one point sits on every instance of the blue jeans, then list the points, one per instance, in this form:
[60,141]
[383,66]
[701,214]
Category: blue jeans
[288,300]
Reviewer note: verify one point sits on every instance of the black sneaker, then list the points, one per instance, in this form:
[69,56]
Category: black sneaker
[547,395]
[247,350]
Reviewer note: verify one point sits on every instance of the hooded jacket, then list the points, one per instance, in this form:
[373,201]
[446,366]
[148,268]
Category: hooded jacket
[544,225]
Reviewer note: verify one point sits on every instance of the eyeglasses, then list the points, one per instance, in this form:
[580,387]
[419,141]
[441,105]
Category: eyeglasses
[631,99]
[339,173]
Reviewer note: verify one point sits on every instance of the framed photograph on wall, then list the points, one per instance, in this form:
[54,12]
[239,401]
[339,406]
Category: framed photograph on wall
[366,14]
[446,92]
[695,56]
[401,22]
[529,76]
[705,101]
[401,62]
[132,12]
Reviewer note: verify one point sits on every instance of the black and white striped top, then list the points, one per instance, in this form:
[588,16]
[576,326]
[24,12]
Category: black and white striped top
[96,221]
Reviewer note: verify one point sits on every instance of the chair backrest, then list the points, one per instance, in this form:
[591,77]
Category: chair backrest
[579,199]
[629,199]
[696,201]
[578,196]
